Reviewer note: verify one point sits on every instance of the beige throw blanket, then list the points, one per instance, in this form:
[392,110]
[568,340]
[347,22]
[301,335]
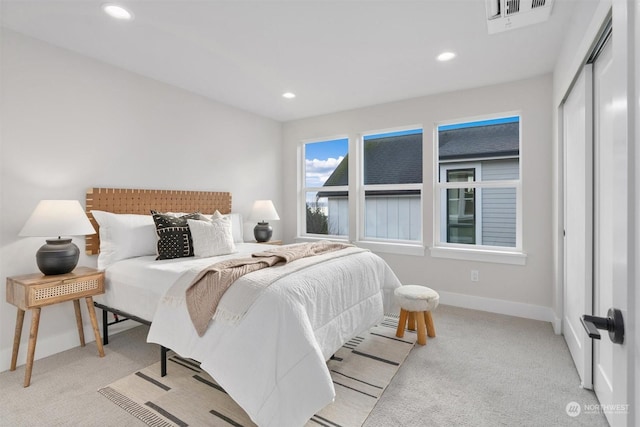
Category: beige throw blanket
[208,287]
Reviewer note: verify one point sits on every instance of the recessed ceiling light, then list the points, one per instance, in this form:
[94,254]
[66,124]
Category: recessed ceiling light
[117,12]
[288,95]
[446,56]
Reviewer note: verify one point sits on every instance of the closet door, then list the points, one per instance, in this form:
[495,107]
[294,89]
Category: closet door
[578,220]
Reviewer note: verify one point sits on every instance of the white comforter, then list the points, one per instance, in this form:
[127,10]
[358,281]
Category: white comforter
[272,362]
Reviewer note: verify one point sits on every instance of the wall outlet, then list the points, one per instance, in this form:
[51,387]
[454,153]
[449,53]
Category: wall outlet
[475,276]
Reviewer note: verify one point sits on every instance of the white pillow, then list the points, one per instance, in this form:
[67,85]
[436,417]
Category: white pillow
[236,227]
[236,224]
[211,238]
[124,236]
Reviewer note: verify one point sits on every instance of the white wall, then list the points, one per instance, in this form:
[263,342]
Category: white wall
[70,123]
[522,290]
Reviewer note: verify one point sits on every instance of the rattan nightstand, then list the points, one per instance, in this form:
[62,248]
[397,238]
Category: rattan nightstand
[33,291]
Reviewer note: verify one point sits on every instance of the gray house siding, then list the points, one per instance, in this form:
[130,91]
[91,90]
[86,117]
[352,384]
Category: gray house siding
[499,217]
[499,204]
[496,170]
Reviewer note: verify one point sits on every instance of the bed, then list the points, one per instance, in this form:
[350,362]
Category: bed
[271,359]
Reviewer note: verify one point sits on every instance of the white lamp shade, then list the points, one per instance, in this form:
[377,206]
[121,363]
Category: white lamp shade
[57,218]
[263,210]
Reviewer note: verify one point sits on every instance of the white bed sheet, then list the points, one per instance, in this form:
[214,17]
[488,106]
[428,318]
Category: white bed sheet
[136,285]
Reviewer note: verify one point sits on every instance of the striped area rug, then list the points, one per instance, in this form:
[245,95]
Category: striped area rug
[361,370]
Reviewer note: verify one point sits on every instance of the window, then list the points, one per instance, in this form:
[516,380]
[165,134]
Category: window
[391,196]
[382,209]
[326,188]
[460,206]
[479,188]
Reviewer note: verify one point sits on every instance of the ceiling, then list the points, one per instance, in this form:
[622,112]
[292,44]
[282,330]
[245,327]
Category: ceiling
[334,55]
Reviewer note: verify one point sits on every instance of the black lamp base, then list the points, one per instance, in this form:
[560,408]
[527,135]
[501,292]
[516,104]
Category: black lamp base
[58,256]
[262,232]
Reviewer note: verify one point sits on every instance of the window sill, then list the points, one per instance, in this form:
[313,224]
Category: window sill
[483,255]
[383,247]
[301,239]
[392,248]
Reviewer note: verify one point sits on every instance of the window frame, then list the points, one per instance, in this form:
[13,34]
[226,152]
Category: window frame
[475,252]
[356,191]
[303,189]
[361,189]
[477,167]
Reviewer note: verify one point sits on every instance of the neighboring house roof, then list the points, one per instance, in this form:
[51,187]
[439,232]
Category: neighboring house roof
[390,160]
[398,159]
[499,140]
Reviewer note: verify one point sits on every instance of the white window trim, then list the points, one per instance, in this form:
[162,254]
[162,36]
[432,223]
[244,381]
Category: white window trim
[482,254]
[392,247]
[320,237]
[303,190]
[496,254]
[356,186]
[374,246]
[397,246]
[440,189]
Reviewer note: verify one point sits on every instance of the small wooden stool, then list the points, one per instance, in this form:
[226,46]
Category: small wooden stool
[416,303]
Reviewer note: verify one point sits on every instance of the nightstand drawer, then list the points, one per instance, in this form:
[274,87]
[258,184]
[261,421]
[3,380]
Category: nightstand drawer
[31,291]
[53,292]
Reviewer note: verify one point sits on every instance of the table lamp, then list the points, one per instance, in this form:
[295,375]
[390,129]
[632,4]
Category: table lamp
[263,211]
[57,218]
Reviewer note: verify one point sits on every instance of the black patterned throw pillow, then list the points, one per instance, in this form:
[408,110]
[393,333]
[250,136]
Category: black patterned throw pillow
[174,237]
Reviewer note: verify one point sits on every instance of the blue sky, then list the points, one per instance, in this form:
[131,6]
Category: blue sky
[479,123]
[326,149]
[322,158]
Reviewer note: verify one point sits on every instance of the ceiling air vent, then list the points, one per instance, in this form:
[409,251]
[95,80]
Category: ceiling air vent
[503,15]
[511,7]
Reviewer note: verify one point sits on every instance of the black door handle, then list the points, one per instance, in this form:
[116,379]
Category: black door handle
[612,323]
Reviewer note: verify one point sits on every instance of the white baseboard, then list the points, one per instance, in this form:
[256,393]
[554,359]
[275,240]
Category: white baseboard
[510,308]
[557,324]
[47,346]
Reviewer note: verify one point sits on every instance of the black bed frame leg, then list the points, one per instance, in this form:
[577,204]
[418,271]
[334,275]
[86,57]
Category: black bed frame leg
[105,328]
[163,360]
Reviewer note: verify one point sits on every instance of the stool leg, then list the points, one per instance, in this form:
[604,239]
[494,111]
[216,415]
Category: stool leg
[422,333]
[411,324]
[401,323]
[431,330]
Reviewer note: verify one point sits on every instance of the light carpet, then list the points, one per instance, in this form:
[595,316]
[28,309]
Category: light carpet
[361,370]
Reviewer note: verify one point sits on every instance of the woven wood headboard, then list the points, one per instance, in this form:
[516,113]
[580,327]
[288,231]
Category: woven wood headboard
[132,201]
